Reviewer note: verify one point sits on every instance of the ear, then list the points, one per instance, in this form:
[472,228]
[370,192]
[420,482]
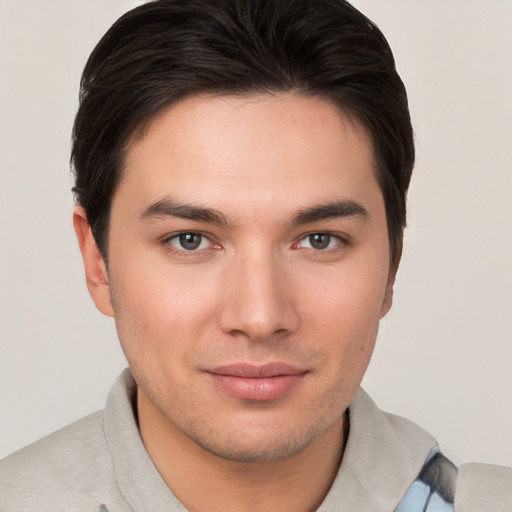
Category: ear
[388,295]
[393,267]
[96,273]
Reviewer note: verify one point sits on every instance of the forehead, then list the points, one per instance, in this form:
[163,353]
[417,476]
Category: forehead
[260,148]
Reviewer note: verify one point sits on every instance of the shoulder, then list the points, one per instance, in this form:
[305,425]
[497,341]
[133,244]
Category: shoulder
[483,487]
[58,471]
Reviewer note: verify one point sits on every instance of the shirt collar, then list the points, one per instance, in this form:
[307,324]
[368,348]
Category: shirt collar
[383,456]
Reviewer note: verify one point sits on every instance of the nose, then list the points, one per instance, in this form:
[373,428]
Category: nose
[259,302]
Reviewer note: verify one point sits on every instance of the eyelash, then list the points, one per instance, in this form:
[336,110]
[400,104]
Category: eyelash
[341,243]
[167,242]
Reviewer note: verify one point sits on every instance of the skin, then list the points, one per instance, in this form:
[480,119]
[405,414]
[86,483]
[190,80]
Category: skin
[256,290]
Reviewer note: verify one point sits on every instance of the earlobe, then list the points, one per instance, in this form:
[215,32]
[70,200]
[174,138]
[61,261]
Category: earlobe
[96,273]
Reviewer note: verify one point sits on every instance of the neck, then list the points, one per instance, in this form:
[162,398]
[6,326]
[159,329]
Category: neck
[298,483]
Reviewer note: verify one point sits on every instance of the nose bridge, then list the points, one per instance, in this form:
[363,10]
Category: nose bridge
[258,300]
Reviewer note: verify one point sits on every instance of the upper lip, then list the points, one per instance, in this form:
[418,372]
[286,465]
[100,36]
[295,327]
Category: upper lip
[255,371]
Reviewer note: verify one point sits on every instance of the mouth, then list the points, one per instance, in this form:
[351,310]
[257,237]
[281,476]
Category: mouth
[258,383]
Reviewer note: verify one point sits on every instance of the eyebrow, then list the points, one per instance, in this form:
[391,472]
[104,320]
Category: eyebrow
[168,207]
[332,210]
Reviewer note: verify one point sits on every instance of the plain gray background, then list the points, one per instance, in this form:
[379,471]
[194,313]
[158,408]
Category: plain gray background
[444,354]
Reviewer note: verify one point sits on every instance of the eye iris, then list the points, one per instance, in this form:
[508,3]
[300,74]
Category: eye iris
[190,241]
[320,240]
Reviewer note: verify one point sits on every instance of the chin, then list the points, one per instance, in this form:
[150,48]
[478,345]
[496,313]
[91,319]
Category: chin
[255,452]
[263,446]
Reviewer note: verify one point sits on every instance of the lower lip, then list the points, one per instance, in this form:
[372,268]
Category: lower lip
[257,389]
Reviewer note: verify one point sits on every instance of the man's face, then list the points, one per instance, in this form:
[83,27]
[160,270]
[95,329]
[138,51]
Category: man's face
[249,268]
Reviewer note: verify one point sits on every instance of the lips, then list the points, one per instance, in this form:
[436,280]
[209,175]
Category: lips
[257,382]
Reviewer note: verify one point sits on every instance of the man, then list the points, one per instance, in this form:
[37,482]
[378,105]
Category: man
[241,172]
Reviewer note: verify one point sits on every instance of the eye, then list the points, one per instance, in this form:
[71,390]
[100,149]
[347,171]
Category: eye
[189,241]
[319,241]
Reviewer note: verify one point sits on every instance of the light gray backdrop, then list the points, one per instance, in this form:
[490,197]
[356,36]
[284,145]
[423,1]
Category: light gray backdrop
[444,354]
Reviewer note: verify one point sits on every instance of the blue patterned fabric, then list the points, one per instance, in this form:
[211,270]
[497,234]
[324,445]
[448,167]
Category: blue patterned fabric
[434,489]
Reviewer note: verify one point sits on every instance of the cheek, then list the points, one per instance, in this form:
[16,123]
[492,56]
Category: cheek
[348,300]
[160,310]
[343,316]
